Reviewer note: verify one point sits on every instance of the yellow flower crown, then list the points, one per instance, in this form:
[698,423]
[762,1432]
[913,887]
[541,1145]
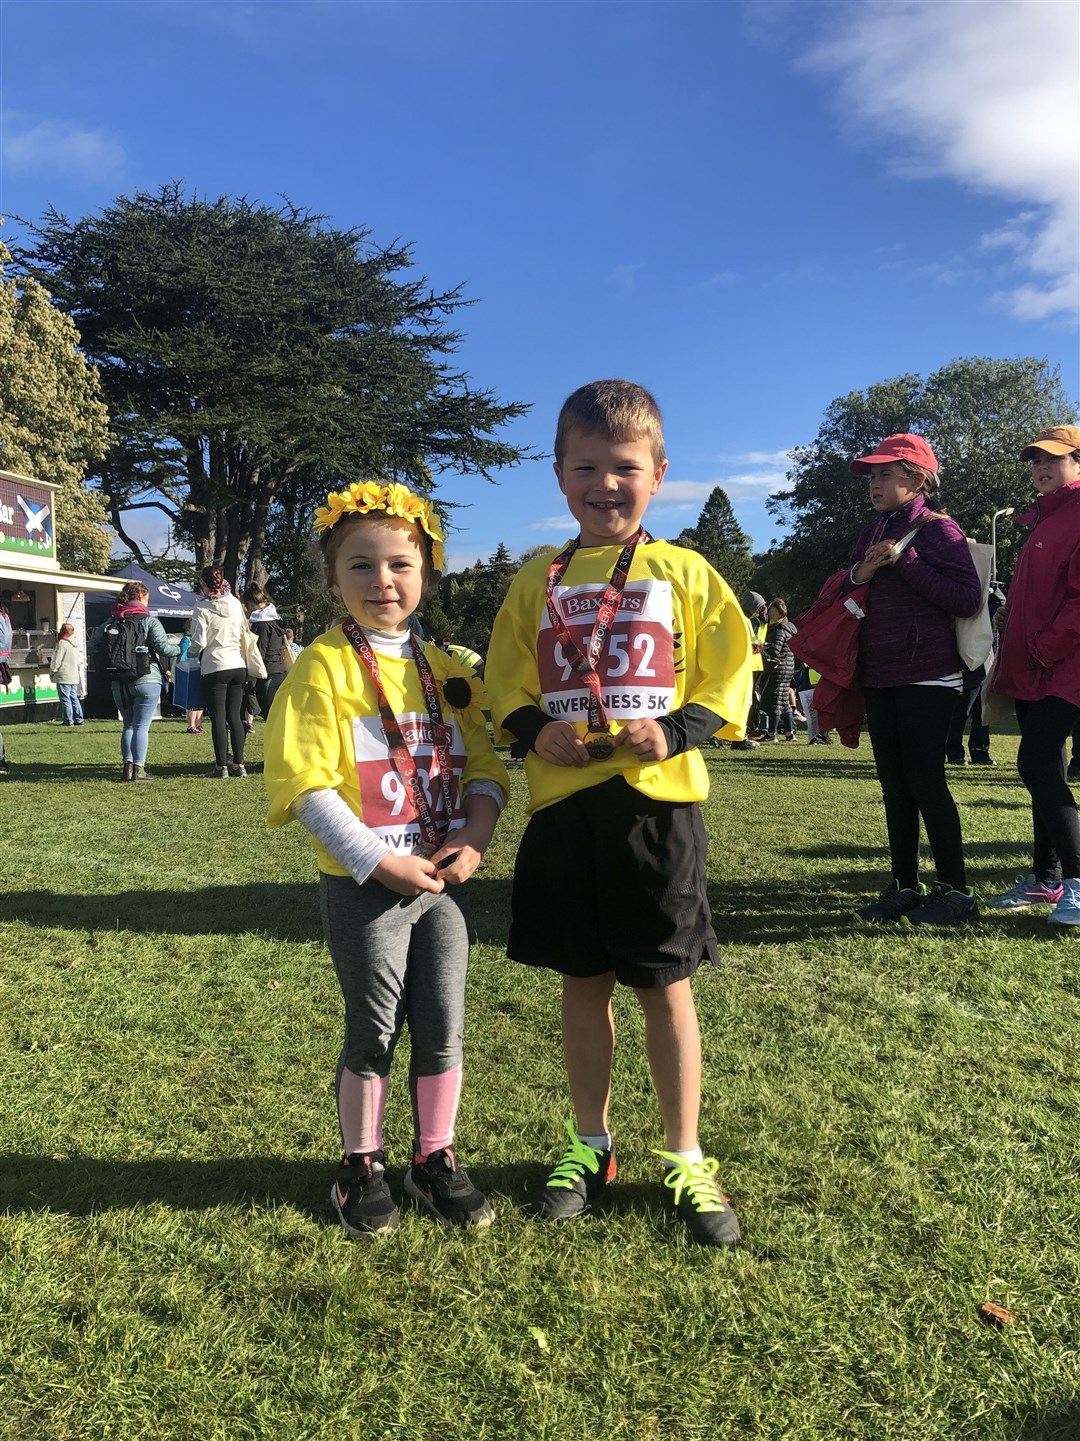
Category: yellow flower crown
[364,496]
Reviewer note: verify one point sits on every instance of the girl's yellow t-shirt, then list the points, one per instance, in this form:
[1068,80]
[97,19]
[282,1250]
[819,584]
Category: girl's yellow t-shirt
[324,733]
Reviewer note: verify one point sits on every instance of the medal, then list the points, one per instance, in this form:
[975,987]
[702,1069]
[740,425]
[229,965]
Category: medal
[598,738]
[600,745]
[432,835]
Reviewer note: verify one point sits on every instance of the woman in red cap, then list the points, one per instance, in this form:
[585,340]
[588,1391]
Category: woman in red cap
[911,672]
[1038,665]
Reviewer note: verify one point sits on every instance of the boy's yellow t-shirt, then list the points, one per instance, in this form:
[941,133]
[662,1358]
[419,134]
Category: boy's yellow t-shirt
[679,637]
[324,733]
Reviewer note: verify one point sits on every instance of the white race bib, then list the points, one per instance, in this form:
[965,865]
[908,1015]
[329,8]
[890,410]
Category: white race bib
[637,668]
[385,797]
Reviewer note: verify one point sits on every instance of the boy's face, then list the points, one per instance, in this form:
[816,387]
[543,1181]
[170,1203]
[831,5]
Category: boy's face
[608,485]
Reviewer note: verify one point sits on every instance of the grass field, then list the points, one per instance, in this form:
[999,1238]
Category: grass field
[897,1118]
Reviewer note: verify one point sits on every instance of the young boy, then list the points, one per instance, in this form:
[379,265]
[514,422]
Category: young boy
[613,663]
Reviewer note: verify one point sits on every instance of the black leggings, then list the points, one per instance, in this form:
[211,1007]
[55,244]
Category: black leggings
[1045,726]
[908,725]
[223,693]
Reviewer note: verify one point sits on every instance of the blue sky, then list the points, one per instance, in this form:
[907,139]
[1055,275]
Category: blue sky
[750,208]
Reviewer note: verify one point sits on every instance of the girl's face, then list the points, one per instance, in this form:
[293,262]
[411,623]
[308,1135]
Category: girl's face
[379,571]
[891,487]
[1051,472]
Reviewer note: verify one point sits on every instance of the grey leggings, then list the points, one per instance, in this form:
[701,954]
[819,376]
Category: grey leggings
[399,960]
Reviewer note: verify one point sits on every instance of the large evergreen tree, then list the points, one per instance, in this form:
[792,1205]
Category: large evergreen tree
[53,422]
[977,413]
[720,538]
[244,348]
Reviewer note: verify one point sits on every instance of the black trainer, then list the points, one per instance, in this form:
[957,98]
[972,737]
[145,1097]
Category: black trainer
[362,1198]
[943,907]
[893,903]
[579,1177]
[699,1201]
[441,1188]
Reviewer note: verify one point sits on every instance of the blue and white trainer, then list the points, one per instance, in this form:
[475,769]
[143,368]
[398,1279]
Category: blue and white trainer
[1067,910]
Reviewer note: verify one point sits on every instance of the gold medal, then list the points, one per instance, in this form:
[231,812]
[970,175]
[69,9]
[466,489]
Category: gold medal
[600,745]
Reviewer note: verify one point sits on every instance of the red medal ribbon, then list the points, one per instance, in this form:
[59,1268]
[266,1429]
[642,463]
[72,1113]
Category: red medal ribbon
[583,663]
[400,756]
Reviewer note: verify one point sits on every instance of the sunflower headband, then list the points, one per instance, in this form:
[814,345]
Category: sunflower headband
[365,496]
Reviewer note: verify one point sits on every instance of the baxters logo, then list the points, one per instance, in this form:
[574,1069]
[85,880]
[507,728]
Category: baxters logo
[578,605]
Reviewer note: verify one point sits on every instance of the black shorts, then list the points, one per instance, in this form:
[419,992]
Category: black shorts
[612,880]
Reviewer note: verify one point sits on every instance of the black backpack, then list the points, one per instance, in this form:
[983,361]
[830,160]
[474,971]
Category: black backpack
[122,650]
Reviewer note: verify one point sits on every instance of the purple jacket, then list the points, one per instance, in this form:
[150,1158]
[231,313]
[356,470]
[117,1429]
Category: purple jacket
[908,632]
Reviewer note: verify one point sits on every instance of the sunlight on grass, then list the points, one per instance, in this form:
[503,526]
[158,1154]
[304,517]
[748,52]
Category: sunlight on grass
[896,1116]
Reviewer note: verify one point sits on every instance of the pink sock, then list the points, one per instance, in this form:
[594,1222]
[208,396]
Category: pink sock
[361,1103]
[437,1100]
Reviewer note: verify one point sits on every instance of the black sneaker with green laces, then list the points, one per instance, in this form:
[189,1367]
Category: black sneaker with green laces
[944,906]
[699,1201]
[893,903]
[440,1187]
[573,1185]
[361,1196]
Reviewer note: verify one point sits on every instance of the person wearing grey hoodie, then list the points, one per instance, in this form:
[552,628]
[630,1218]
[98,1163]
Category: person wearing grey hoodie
[269,629]
[217,633]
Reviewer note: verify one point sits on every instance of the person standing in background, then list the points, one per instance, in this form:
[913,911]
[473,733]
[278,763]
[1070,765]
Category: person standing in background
[69,673]
[1038,664]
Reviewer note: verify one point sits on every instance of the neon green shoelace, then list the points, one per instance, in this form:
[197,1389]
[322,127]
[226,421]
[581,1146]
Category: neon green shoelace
[575,1160]
[698,1178]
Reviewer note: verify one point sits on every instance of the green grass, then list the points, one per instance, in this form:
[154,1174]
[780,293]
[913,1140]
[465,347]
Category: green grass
[897,1118]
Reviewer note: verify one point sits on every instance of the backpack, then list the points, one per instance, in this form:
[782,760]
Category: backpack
[122,649]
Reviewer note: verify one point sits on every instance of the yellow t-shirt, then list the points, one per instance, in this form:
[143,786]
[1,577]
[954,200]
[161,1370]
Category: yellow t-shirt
[324,733]
[679,637]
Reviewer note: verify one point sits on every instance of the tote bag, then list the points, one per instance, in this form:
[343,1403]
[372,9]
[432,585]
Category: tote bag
[974,633]
[256,666]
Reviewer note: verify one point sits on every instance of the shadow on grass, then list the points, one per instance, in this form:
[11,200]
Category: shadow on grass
[82,1186]
[1048,1425]
[285,910]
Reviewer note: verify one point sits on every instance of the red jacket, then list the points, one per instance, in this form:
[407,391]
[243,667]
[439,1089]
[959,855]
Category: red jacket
[1039,654]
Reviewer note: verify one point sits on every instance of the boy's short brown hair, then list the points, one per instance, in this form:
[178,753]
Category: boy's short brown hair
[615,409]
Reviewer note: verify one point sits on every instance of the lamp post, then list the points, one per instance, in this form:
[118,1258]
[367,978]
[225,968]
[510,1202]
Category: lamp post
[993,541]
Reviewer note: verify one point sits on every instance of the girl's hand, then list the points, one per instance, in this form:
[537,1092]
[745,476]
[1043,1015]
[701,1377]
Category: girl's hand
[458,859]
[560,744]
[409,875]
[645,738]
[1001,615]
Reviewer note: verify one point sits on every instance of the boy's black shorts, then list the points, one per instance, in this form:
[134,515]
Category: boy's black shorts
[612,880]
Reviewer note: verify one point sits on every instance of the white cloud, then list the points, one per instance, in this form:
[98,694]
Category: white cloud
[55,147]
[625,276]
[985,94]
[461,559]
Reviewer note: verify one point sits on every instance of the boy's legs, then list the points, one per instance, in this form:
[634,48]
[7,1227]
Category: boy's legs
[673,1045]
[588,1031]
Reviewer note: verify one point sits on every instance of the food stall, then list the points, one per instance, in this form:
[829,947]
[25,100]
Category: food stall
[37,595]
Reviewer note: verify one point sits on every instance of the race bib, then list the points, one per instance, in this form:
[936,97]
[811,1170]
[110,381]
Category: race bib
[637,668]
[385,798]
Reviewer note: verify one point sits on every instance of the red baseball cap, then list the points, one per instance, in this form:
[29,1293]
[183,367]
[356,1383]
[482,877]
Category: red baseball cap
[898,447]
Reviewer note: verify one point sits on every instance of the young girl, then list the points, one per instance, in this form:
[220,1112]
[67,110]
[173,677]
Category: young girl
[377,744]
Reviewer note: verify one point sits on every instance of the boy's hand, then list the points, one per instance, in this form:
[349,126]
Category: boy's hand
[560,744]
[408,875]
[645,738]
